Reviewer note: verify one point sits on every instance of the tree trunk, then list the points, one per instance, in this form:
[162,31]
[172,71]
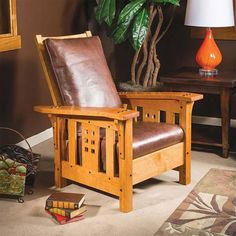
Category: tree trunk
[146,65]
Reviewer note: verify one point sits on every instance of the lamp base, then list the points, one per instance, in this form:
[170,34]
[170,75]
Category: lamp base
[208,73]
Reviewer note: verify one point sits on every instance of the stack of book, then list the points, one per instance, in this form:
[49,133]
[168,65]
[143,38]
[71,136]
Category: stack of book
[66,207]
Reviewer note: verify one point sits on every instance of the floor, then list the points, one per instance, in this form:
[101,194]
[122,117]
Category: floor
[154,201]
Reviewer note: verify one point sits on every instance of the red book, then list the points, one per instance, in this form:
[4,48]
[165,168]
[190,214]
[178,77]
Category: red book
[63,219]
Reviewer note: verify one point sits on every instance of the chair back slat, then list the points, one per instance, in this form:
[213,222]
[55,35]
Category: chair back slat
[110,152]
[72,144]
[170,117]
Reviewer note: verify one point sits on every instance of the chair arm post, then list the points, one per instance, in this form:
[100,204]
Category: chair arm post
[186,124]
[125,134]
[58,125]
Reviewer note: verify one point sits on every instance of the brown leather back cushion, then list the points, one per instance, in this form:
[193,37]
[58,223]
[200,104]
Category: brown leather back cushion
[81,72]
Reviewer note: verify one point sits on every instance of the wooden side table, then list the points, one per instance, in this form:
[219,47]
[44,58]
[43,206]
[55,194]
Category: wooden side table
[224,85]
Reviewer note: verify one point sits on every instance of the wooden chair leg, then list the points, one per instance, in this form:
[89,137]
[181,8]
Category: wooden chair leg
[59,181]
[126,185]
[126,166]
[186,124]
[126,198]
[58,126]
[185,171]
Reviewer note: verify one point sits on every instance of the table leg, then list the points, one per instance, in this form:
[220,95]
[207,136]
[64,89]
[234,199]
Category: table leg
[225,120]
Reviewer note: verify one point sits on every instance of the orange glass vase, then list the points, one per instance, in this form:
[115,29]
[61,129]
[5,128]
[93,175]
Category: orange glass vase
[209,55]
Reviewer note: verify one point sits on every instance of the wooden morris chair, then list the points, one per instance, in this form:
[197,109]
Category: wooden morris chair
[99,143]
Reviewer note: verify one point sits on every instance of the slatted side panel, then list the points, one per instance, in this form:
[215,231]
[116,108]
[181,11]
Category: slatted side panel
[151,114]
[157,111]
[88,171]
[90,146]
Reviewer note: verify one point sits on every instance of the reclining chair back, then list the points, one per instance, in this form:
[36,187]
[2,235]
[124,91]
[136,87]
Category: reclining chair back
[77,72]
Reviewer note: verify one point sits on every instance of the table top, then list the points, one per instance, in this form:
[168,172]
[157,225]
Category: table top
[190,76]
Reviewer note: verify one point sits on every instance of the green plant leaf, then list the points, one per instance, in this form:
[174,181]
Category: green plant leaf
[106,11]
[174,2]
[139,29]
[124,20]
[129,11]
[120,34]
[99,11]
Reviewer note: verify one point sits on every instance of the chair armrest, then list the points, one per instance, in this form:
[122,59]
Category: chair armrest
[112,113]
[181,96]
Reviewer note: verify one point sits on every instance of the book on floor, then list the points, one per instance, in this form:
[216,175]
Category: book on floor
[63,219]
[65,200]
[69,213]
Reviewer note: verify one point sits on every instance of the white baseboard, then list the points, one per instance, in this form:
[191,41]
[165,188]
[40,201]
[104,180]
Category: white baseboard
[47,134]
[36,139]
[211,121]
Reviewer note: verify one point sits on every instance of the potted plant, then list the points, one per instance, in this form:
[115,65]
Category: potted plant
[143,23]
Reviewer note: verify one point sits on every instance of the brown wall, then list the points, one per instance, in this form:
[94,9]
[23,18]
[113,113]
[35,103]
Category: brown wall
[22,82]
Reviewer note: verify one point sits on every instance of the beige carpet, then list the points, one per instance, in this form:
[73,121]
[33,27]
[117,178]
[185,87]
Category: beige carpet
[154,201]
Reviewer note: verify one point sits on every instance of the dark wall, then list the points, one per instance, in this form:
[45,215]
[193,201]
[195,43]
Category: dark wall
[178,49]
[22,82]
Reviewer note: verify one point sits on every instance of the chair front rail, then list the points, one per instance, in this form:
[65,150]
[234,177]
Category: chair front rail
[158,162]
[98,180]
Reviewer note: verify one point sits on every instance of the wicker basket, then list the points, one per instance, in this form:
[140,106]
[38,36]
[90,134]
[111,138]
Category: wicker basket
[12,177]
[20,156]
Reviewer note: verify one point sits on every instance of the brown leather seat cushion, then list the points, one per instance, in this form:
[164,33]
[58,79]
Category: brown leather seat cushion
[147,138]
[150,137]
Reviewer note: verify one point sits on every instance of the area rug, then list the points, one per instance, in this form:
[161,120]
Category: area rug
[209,209]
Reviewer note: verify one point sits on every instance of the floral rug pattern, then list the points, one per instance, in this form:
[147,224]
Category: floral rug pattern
[209,209]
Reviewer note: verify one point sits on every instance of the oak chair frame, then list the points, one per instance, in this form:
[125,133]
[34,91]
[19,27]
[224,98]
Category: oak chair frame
[65,119]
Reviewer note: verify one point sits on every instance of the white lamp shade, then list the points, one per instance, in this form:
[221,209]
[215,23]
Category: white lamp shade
[209,13]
